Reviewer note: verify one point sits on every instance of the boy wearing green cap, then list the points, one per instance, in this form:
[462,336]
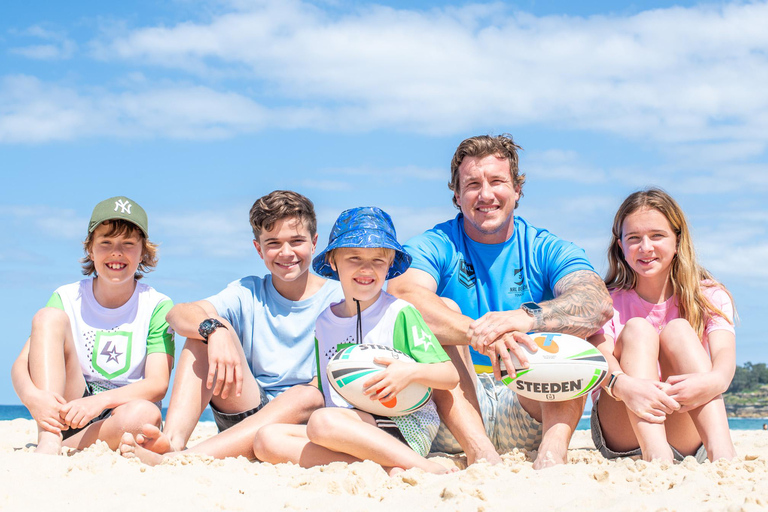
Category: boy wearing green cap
[99,356]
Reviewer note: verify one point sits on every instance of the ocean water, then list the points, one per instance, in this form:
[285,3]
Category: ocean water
[12,412]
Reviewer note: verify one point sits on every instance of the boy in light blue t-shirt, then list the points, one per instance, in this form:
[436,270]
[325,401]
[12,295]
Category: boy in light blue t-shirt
[249,348]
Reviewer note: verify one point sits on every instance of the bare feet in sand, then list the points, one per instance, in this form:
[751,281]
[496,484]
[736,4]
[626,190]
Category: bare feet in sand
[547,459]
[153,439]
[130,449]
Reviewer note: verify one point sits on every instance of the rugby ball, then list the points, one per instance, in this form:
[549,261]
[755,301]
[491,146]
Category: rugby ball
[563,368]
[354,365]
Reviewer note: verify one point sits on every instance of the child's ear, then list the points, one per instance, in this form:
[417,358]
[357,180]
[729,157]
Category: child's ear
[332,263]
[257,245]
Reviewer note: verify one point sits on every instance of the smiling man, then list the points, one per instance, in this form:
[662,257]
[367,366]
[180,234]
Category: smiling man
[482,281]
[249,350]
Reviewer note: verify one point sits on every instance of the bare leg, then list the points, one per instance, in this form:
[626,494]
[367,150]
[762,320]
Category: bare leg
[355,433]
[682,353]
[189,398]
[293,406]
[637,349]
[559,420]
[54,366]
[460,410]
[278,444]
[126,418]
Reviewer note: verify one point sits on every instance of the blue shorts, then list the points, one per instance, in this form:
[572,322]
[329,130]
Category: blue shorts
[225,420]
[506,423]
[602,447]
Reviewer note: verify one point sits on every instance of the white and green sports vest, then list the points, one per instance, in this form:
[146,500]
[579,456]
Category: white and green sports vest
[113,344]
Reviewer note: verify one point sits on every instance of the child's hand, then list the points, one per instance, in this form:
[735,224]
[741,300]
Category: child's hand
[692,390]
[645,398]
[78,413]
[45,407]
[388,383]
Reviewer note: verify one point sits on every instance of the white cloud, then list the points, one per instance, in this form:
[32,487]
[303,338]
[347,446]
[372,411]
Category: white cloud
[675,75]
[668,72]
[57,223]
[58,46]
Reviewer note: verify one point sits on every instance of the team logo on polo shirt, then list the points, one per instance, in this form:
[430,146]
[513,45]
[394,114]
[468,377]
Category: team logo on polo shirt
[111,354]
[466,274]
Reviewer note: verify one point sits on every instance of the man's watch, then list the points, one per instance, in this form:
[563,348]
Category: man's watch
[207,327]
[532,309]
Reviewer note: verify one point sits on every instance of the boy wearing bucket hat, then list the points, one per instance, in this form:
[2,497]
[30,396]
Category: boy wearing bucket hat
[362,254]
[99,357]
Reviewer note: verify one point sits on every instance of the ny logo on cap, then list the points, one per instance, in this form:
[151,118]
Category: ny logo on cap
[125,206]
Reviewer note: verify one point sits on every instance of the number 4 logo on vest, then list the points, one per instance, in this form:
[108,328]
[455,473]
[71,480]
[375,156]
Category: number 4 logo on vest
[424,339]
[111,353]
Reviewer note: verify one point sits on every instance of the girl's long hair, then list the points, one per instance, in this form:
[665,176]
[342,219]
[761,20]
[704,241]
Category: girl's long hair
[688,278]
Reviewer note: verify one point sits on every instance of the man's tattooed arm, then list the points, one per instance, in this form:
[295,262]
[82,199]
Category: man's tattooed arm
[581,305]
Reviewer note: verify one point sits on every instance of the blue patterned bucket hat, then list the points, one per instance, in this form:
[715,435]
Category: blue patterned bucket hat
[365,227]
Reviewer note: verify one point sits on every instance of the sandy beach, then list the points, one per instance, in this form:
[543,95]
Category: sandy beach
[98,478]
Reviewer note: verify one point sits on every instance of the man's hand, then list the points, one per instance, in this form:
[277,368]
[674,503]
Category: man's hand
[508,344]
[490,328]
[224,366]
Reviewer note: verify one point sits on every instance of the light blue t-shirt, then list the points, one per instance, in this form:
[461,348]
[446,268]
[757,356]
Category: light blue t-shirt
[278,335]
[494,277]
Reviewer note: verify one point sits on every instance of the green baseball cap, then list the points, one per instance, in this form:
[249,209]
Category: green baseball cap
[119,207]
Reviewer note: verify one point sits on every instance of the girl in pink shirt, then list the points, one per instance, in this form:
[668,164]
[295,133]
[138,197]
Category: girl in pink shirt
[670,344]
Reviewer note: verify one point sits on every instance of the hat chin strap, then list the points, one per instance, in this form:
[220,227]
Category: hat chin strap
[359,333]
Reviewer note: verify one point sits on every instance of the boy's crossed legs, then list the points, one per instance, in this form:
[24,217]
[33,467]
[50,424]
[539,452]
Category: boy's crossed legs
[190,397]
[339,435]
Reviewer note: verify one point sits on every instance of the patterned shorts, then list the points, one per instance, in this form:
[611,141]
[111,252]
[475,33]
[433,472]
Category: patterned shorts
[507,424]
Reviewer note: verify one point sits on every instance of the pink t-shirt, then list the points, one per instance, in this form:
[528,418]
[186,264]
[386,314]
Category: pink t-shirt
[627,304]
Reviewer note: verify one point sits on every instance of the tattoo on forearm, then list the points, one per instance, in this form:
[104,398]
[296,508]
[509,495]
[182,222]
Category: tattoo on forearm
[580,307]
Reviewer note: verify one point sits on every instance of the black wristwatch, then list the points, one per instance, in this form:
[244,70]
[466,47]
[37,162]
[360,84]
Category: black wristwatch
[532,309]
[207,327]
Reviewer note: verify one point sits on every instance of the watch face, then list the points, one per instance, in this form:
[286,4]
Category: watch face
[532,308]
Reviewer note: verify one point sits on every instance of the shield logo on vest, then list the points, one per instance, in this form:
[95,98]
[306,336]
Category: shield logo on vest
[111,353]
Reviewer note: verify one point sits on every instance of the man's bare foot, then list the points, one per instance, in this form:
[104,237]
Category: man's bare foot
[489,456]
[547,459]
[153,439]
[130,449]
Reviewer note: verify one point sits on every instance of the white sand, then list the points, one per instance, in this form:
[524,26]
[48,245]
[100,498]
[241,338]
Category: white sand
[99,479]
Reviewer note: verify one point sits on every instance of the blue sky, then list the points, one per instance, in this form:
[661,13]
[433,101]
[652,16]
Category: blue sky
[196,108]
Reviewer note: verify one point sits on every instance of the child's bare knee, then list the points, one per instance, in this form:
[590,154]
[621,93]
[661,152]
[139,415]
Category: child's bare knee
[320,423]
[133,415]
[266,437]
[50,317]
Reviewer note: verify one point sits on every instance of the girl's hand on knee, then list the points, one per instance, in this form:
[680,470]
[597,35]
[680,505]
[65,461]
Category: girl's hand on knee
[45,408]
[645,398]
[692,390]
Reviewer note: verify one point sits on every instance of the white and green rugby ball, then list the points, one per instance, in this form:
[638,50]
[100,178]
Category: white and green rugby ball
[563,368]
[354,365]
